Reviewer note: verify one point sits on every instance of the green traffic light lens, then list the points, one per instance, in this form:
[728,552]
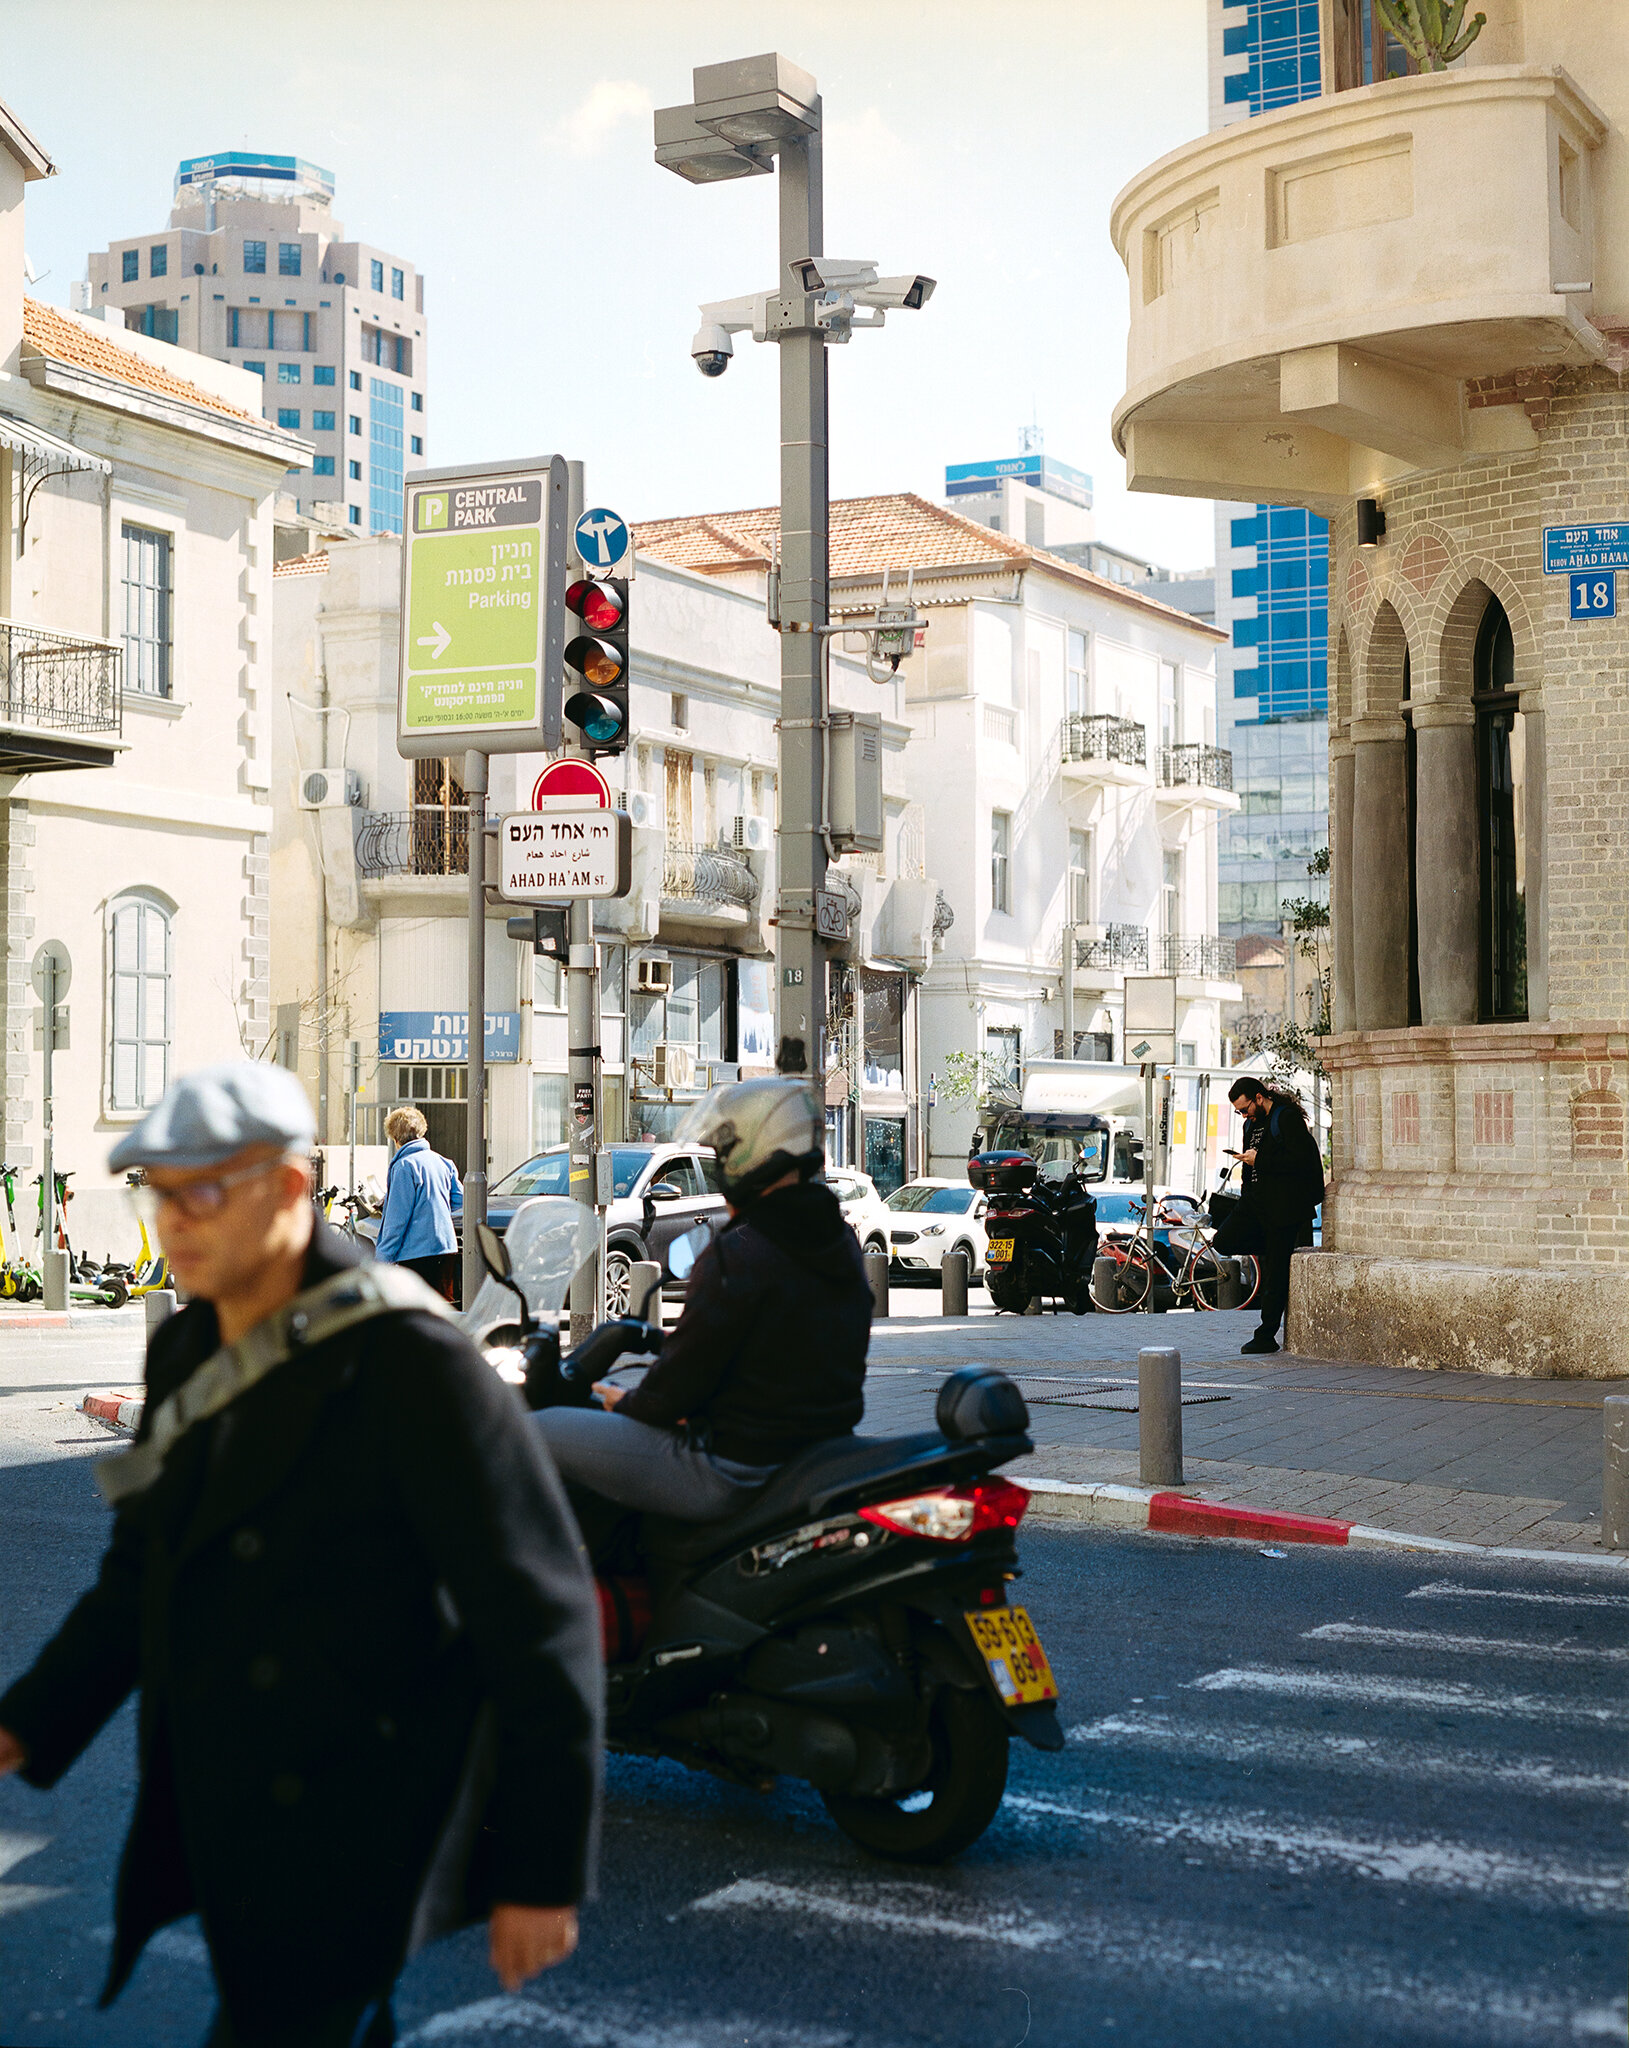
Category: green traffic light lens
[601,720]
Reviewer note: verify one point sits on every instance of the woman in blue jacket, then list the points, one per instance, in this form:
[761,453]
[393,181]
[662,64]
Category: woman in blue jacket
[422,1196]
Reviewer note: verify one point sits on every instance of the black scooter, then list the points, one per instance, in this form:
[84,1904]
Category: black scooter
[1042,1233]
[850,1627]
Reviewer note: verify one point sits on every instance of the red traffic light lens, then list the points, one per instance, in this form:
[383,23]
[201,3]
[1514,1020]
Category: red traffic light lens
[597,660]
[596,604]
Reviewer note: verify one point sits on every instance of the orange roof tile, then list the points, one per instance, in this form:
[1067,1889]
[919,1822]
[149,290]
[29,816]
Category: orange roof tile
[898,532]
[50,333]
[314,564]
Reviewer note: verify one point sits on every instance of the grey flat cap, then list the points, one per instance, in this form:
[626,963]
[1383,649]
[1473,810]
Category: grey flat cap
[206,1117]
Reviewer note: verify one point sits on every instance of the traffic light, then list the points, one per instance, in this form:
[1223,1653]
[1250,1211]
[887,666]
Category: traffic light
[543,929]
[599,656]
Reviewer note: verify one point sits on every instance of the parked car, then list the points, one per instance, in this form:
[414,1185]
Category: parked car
[658,1193]
[863,1208]
[929,1218]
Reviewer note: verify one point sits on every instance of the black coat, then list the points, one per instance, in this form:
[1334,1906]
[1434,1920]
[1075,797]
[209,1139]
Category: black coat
[1286,1183]
[368,1654]
[769,1355]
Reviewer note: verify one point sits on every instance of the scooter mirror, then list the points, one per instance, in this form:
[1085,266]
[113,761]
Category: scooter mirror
[493,1251]
[683,1252]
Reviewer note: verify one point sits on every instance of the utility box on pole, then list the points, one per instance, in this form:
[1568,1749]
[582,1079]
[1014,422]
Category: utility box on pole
[854,792]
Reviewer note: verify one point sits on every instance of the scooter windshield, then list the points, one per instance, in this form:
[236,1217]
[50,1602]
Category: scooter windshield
[549,1238]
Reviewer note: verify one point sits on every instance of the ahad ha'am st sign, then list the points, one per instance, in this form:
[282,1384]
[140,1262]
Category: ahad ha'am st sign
[546,855]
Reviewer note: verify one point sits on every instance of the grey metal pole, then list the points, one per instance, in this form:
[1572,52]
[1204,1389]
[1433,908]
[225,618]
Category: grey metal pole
[1615,1472]
[1148,1178]
[475,1150]
[582,1038]
[1159,1416]
[1069,991]
[53,1264]
[800,848]
[353,1079]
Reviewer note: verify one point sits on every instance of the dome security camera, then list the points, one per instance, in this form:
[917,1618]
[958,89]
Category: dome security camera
[712,349]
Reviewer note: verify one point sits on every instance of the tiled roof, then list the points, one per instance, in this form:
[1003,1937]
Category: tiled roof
[50,333]
[314,564]
[898,532]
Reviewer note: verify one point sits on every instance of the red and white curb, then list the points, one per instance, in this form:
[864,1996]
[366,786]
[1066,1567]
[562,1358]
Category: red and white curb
[1181,1514]
[110,1408]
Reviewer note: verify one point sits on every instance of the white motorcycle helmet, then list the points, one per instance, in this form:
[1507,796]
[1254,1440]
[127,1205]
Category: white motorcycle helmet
[760,1131]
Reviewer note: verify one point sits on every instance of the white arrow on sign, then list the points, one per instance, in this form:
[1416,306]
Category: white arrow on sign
[438,642]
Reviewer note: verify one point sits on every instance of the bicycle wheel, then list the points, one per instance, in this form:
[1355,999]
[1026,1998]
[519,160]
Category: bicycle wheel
[1206,1280]
[1133,1277]
[1249,1279]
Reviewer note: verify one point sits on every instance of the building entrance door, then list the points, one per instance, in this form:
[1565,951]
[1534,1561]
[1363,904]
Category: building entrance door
[441,1096]
[885,1152]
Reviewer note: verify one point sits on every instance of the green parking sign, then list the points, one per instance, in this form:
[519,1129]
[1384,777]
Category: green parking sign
[483,577]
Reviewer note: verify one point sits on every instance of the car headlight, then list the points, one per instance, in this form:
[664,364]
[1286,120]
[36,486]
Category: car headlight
[933,1230]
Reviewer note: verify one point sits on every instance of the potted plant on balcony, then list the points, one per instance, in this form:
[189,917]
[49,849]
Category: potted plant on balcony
[1430,32]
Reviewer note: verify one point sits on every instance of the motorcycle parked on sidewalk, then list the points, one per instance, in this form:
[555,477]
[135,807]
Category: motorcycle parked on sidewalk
[1042,1234]
[849,1627]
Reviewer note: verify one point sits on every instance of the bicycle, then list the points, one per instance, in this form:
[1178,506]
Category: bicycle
[1183,1268]
[353,1206]
[150,1273]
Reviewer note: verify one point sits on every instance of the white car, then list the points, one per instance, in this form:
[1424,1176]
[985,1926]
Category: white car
[928,1218]
[863,1208]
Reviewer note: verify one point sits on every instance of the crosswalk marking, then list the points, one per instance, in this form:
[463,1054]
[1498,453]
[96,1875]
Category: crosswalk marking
[896,1909]
[1439,1865]
[1363,1691]
[1446,1589]
[17,1898]
[611,2025]
[1282,1747]
[1431,1643]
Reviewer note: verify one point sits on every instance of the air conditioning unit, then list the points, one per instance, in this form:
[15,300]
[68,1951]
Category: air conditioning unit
[673,1066]
[754,835]
[323,789]
[653,977]
[644,810]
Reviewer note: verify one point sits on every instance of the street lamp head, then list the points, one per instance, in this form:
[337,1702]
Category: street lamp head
[700,156]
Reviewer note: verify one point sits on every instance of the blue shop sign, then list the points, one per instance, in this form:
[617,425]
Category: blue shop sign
[1570,549]
[444,1035]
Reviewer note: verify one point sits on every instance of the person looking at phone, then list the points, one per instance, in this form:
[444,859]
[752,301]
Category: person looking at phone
[1283,1184]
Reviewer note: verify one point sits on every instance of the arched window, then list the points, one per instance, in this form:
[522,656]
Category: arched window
[139,1004]
[1502,792]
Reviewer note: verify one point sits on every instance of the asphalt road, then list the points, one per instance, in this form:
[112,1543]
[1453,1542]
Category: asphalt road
[1313,1798]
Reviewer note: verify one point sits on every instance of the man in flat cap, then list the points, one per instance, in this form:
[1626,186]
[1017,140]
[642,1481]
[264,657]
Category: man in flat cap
[343,1576]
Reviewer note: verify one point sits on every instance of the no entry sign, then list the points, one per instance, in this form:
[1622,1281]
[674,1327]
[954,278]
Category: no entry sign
[571,785]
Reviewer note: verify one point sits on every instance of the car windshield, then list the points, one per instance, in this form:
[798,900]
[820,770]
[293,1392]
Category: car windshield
[935,1201]
[550,1173]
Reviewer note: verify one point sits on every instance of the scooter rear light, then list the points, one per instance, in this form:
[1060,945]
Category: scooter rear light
[953,1514]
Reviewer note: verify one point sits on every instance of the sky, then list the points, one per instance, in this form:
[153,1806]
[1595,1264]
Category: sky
[505,147]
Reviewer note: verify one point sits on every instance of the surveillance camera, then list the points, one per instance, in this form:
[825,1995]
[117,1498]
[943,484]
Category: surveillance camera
[836,273]
[712,349]
[911,292]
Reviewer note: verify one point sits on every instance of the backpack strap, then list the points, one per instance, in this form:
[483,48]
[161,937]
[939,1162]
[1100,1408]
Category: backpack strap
[327,1310]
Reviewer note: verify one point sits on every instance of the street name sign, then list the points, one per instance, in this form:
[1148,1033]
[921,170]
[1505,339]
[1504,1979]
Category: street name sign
[601,538]
[1571,548]
[544,855]
[482,609]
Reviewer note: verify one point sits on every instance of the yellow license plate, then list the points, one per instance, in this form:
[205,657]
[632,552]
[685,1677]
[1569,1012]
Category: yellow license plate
[1007,1641]
[1000,1251]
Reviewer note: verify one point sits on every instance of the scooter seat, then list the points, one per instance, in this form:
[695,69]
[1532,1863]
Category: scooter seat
[799,1490]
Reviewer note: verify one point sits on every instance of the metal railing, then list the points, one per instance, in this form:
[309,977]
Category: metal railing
[1189,764]
[58,680]
[429,839]
[1122,945]
[714,876]
[1208,956]
[1103,737]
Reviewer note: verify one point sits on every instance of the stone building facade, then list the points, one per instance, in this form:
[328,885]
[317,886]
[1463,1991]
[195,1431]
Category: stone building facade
[1404,305]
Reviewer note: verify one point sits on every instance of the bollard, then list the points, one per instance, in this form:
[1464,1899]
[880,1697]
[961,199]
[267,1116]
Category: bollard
[1105,1279]
[876,1271]
[645,1290]
[1615,1472]
[953,1284]
[54,1276]
[1230,1286]
[1032,1307]
[1159,1416]
[160,1306]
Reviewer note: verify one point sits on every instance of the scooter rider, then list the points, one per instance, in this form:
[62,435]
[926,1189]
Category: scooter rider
[769,1355]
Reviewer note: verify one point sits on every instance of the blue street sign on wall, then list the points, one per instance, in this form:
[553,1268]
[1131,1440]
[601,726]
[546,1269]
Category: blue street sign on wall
[1592,594]
[444,1035]
[1570,548]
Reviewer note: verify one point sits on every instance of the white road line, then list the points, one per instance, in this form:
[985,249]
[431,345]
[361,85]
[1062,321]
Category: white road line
[894,1909]
[1407,1692]
[17,1898]
[1281,1748]
[1446,1589]
[1428,1640]
[1441,1866]
[613,2026]
[15,1848]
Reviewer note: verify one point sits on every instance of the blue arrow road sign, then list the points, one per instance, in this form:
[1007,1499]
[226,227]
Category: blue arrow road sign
[602,538]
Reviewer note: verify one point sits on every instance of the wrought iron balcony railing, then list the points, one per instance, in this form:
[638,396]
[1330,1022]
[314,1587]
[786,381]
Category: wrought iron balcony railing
[1211,958]
[1103,737]
[1190,764]
[429,839]
[714,876]
[1121,946]
[58,681]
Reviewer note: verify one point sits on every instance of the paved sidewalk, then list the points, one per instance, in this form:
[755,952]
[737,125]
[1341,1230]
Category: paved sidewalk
[1466,1456]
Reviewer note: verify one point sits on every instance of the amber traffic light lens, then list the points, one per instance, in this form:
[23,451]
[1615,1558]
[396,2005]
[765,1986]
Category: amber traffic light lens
[595,660]
[597,605]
